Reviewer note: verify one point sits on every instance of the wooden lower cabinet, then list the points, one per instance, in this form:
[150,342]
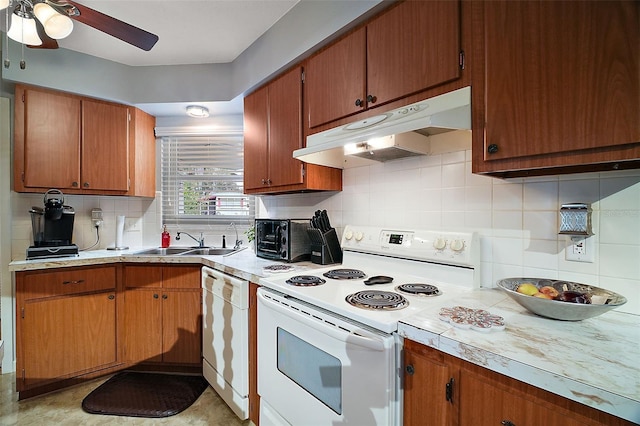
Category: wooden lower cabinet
[440,389]
[163,314]
[66,324]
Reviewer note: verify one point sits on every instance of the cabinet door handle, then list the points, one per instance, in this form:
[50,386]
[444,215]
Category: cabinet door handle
[72,282]
[507,423]
[111,297]
[155,296]
[449,390]
[164,296]
[359,102]
[492,149]
[410,370]
[86,184]
[74,184]
[371,99]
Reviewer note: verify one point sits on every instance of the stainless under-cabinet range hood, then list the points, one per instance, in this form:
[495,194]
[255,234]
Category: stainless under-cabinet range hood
[399,133]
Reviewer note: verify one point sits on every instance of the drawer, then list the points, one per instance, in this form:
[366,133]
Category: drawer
[143,276]
[37,285]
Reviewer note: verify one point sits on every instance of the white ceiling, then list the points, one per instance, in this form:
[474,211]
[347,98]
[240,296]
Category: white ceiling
[189,31]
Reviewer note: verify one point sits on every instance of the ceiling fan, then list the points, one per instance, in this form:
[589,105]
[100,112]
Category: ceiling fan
[39,23]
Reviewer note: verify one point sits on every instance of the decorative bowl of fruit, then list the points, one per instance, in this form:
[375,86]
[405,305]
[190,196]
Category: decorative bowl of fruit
[559,299]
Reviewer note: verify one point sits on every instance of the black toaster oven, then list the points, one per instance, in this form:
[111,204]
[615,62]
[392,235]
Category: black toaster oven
[283,239]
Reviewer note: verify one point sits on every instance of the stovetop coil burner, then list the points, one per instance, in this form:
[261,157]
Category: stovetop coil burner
[345,274]
[377,300]
[419,289]
[305,281]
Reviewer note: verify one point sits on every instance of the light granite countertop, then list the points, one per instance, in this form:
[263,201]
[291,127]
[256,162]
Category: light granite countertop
[593,361]
[243,264]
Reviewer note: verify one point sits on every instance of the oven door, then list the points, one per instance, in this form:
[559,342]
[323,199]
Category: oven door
[319,369]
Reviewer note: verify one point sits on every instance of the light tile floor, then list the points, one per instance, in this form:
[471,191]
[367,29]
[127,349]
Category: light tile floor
[64,407]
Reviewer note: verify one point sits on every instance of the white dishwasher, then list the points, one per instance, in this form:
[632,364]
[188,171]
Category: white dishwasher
[225,337]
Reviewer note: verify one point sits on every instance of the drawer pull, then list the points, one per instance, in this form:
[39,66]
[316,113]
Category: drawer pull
[72,282]
[111,297]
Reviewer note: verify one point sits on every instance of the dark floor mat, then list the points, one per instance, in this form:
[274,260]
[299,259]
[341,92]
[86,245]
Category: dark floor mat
[144,394]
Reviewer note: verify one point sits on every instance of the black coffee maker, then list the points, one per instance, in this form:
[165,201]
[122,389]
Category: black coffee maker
[52,228]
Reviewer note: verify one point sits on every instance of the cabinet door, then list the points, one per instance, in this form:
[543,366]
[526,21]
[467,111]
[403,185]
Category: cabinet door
[105,146]
[143,325]
[51,140]
[285,128]
[554,82]
[182,327]
[65,336]
[412,47]
[256,154]
[485,404]
[427,380]
[335,80]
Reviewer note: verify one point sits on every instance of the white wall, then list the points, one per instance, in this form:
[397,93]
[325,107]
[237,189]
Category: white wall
[517,219]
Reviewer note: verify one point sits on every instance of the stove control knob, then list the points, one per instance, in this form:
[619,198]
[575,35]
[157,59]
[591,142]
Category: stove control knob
[359,236]
[348,234]
[457,245]
[439,243]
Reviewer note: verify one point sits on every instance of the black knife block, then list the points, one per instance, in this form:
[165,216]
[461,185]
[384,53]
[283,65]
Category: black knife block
[325,246]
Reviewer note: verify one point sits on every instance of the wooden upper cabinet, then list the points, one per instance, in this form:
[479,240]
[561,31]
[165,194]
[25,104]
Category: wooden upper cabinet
[81,145]
[407,49]
[285,128]
[336,80]
[561,86]
[142,154]
[105,147]
[256,139]
[412,47]
[272,131]
[50,131]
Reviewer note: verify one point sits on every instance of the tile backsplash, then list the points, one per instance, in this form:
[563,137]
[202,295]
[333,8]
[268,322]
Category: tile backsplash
[517,219]
[143,223]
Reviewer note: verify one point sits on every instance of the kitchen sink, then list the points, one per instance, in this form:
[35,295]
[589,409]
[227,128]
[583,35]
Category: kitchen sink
[210,251]
[158,251]
[187,251]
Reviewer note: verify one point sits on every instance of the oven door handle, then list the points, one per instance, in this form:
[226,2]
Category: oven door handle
[330,330]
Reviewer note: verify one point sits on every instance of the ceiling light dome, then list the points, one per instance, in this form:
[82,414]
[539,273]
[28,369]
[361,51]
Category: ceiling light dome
[55,24]
[23,27]
[197,111]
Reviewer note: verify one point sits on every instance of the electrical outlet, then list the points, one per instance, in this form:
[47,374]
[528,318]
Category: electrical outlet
[580,249]
[96,217]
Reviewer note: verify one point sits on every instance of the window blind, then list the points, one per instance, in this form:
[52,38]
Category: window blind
[203,181]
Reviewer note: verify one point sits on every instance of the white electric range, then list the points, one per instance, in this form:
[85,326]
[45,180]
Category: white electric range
[322,332]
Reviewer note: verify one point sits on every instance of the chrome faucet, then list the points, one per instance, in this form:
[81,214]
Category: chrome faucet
[199,241]
[238,241]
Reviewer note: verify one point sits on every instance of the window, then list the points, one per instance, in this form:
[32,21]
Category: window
[202,181]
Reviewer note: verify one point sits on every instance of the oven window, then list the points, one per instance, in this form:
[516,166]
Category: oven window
[316,371]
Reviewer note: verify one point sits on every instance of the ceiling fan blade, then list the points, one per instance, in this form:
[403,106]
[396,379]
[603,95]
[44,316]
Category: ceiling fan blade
[114,27]
[47,42]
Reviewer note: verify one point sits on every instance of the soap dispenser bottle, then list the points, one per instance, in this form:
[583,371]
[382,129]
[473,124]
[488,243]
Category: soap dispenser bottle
[166,237]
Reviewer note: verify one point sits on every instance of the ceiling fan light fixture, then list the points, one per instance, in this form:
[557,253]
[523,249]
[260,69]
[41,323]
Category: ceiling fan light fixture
[23,27]
[55,24]
[197,111]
